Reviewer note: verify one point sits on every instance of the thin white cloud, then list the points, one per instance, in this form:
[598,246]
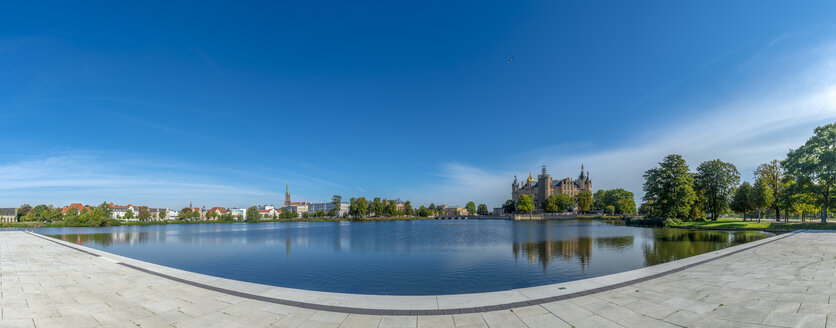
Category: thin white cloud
[93,179]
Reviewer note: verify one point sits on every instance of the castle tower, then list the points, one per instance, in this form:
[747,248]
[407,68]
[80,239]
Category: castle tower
[286,194]
[544,187]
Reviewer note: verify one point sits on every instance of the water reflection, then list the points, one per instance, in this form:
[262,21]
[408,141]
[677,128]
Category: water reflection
[405,257]
[543,252]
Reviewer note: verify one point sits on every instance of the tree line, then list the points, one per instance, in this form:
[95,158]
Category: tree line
[799,185]
[613,201]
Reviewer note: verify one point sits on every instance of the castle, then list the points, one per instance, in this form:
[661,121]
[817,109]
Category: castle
[544,186]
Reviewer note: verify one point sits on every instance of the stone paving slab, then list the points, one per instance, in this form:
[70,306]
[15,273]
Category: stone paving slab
[785,283]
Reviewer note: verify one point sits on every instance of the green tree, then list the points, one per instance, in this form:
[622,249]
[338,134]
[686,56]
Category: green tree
[337,200]
[23,211]
[253,215]
[376,207]
[185,213]
[813,165]
[433,210]
[129,215]
[773,175]
[609,209]
[598,200]
[525,204]
[144,214]
[470,207]
[389,208]
[670,188]
[407,208]
[625,205]
[761,195]
[741,203]
[358,207]
[161,214]
[716,179]
[423,211]
[558,203]
[72,212]
[482,209]
[584,201]
[509,206]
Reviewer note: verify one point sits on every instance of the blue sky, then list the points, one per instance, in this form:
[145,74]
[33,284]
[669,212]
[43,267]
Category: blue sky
[221,104]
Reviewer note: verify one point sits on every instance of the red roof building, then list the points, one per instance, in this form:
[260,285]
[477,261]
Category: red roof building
[77,206]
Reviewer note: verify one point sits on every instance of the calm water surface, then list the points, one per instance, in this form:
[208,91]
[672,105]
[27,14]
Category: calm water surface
[404,257]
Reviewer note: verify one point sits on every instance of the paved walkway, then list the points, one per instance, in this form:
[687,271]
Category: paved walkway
[783,283]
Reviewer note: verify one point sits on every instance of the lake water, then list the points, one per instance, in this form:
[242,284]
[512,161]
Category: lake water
[405,257]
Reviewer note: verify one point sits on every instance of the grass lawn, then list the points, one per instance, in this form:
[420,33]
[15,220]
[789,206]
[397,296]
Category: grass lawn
[814,225]
[726,223]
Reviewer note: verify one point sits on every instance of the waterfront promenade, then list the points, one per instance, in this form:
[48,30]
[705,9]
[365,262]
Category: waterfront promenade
[783,281]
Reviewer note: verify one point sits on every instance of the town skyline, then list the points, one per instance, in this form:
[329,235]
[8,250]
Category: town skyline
[398,106]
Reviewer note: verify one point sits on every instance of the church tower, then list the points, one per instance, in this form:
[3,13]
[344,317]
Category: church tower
[286,194]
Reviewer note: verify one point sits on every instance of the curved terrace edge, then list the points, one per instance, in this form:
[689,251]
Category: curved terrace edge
[422,304]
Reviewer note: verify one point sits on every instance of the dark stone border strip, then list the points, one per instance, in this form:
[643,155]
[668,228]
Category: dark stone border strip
[392,312]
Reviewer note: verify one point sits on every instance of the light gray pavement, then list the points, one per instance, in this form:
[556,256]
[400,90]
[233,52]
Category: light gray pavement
[786,282]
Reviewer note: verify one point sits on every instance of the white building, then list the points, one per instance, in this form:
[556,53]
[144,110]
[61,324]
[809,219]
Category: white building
[301,209]
[325,207]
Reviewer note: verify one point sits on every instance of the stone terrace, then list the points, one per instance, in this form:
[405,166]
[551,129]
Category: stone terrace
[785,283]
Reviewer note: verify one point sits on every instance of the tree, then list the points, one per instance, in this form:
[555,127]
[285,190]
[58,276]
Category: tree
[670,188]
[761,196]
[598,200]
[389,208]
[22,211]
[509,206]
[407,208]
[129,215]
[558,203]
[432,209]
[482,209]
[470,207]
[525,204]
[185,213]
[773,175]
[144,214]
[376,207]
[609,209]
[423,211]
[716,179]
[161,214]
[358,207]
[337,200]
[104,210]
[72,212]
[813,165]
[253,215]
[741,202]
[584,201]
[625,205]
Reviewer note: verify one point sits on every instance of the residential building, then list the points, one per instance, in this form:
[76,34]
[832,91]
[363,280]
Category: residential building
[118,211]
[325,207]
[298,208]
[78,206]
[171,214]
[239,213]
[269,213]
[451,211]
[217,210]
[8,214]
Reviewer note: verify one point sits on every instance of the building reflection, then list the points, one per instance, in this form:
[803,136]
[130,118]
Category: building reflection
[544,252]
